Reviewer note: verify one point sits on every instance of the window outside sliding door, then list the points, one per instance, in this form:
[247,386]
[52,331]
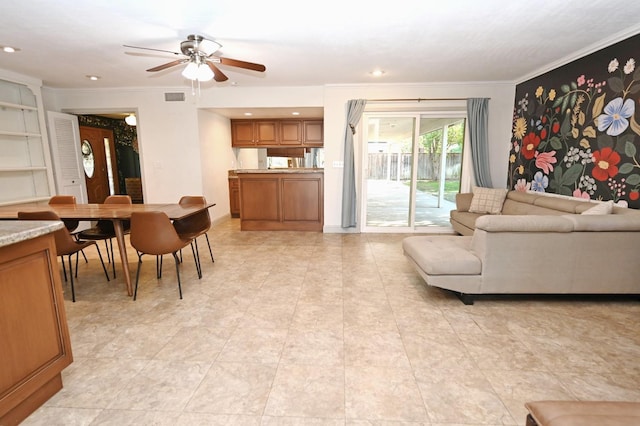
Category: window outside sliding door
[411,170]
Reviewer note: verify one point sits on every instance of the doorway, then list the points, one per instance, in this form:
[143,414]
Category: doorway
[100,167]
[412,166]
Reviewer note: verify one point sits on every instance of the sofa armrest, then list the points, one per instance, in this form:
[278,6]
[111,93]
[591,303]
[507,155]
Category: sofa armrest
[463,201]
[524,223]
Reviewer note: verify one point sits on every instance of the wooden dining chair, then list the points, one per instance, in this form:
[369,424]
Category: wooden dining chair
[197,224]
[70,224]
[66,245]
[103,230]
[153,233]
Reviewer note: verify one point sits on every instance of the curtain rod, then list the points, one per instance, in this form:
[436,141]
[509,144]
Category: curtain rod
[418,99]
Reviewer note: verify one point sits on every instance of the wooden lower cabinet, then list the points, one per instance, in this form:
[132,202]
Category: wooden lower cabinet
[34,337]
[234,197]
[282,201]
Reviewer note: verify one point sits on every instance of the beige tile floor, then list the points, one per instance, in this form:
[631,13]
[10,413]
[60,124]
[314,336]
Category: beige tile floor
[327,329]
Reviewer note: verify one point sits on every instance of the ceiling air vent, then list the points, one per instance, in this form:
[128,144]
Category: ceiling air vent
[174,97]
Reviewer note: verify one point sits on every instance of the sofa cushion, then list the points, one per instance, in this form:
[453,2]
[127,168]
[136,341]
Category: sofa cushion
[600,208]
[524,223]
[442,255]
[487,200]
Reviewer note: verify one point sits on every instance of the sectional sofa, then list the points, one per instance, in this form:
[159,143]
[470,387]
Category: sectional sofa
[537,244]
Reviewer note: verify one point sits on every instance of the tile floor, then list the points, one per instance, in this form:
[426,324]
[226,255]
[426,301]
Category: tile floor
[327,329]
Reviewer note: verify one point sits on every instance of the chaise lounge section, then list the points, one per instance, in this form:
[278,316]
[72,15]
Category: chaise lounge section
[539,249]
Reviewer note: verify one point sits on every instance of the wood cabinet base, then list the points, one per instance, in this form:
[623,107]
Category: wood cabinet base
[34,336]
[32,402]
[282,201]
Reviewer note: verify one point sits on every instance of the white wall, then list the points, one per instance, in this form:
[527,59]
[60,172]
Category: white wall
[186,149]
[167,135]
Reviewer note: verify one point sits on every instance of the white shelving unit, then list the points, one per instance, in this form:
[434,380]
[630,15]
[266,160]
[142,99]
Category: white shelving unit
[25,165]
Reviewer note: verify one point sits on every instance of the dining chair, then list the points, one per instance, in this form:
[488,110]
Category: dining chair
[197,224]
[66,245]
[153,233]
[70,224]
[103,230]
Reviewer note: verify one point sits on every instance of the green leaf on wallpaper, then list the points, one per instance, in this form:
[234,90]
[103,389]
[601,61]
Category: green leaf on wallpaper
[565,103]
[543,145]
[555,143]
[615,84]
[626,168]
[633,179]
[636,75]
[565,127]
[574,86]
[604,141]
[630,149]
[565,190]
[572,174]
[635,89]
[558,101]
[572,102]
[565,88]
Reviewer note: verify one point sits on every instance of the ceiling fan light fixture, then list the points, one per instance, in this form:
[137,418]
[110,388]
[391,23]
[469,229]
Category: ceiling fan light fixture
[208,47]
[131,119]
[191,71]
[204,73]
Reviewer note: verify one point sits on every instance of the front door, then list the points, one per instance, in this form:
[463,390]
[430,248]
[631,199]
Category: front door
[97,152]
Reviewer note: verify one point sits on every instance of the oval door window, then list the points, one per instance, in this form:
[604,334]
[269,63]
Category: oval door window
[88,161]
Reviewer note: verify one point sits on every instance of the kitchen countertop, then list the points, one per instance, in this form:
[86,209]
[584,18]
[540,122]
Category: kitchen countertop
[15,231]
[283,170]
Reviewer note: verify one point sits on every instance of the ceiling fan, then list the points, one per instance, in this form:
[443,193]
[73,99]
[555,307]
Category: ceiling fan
[200,59]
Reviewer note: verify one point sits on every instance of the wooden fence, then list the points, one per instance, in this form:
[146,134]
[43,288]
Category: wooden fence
[397,166]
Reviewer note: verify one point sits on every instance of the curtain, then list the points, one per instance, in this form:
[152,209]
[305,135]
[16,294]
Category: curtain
[355,108]
[477,114]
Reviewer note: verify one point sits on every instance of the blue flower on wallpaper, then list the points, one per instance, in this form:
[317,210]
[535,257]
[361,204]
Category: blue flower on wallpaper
[614,118]
[540,182]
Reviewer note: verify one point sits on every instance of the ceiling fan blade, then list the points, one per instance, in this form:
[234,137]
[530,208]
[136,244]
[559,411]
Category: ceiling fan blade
[167,65]
[217,74]
[149,48]
[242,64]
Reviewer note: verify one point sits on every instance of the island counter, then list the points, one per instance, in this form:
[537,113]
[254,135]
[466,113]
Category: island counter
[34,336]
[281,199]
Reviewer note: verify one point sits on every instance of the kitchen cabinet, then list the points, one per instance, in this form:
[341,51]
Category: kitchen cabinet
[277,133]
[234,197]
[290,133]
[254,133]
[313,131]
[281,200]
[25,166]
[34,336]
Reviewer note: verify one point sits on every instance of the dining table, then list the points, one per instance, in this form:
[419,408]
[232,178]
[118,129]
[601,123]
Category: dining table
[117,213]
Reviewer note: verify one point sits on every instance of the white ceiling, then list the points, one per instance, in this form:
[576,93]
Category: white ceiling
[303,43]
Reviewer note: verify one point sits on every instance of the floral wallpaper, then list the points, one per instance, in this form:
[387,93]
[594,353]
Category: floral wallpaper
[576,131]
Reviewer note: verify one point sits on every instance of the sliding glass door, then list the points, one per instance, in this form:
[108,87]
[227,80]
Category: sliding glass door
[411,170]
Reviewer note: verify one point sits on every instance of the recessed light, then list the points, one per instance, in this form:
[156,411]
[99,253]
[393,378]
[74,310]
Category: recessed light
[93,77]
[248,114]
[377,73]
[295,113]
[9,49]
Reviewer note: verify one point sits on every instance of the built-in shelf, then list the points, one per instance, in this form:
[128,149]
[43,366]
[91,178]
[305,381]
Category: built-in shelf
[29,135]
[17,106]
[25,169]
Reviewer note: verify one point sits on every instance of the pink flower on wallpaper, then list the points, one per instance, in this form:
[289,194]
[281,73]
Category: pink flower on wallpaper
[579,194]
[545,161]
[581,80]
[522,185]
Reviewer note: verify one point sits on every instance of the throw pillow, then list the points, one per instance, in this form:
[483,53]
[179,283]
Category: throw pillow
[600,208]
[487,200]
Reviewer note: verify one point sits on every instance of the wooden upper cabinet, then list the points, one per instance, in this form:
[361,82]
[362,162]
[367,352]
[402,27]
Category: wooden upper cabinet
[291,132]
[277,133]
[242,133]
[313,133]
[266,133]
